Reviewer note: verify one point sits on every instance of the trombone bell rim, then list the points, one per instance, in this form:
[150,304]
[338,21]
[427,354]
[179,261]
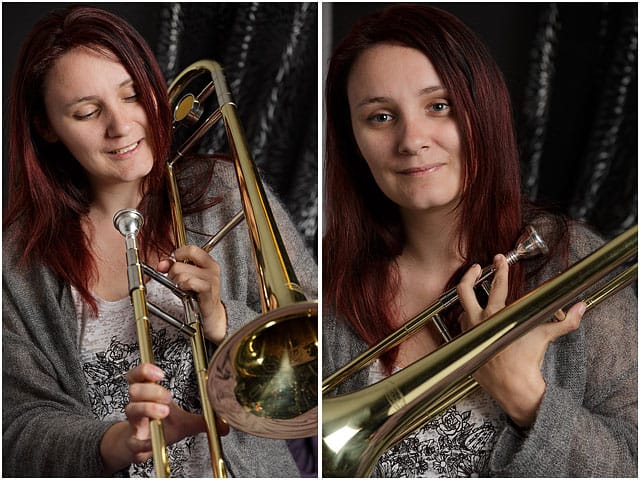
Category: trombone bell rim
[225,377]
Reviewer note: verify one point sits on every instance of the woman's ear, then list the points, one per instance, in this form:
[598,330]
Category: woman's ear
[44,129]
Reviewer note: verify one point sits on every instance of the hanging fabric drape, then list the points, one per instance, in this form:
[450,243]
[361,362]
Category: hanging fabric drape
[578,122]
[269,52]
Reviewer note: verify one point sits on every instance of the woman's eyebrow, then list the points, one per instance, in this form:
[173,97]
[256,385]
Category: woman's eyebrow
[424,91]
[432,89]
[124,83]
[370,100]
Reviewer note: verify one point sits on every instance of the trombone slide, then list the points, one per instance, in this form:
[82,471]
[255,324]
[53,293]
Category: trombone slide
[128,222]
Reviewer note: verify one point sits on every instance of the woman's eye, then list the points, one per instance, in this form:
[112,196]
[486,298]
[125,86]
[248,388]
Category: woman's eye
[132,98]
[439,107]
[381,117]
[85,116]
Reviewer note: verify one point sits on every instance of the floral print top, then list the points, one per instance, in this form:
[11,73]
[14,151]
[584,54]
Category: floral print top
[108,346]
[457,443]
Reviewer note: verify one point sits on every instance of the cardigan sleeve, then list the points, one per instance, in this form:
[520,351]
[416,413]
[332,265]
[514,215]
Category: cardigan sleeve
[47,428]
[586,425]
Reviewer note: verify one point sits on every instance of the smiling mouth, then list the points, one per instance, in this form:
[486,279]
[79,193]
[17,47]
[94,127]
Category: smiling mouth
[421,170]
[121,151]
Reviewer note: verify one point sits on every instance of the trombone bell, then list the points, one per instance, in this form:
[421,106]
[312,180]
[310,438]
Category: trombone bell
[266,377]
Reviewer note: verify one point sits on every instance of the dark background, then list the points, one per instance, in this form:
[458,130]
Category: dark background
[508,30]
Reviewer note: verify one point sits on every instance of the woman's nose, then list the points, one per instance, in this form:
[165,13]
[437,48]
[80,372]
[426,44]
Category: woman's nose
[414,136]
[119,123]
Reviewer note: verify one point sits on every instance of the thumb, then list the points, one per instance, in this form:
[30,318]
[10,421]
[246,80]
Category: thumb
[566,323]
[164,265]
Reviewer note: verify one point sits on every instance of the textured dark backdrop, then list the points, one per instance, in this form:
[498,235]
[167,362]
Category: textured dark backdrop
[572,72]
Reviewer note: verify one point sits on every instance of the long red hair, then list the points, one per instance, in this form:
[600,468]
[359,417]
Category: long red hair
[48,191]
[363,232]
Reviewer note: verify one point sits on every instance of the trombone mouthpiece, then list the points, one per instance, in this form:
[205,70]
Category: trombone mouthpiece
[128,221]
[530,244]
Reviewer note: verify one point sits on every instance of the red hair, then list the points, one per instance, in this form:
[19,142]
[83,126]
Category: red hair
[48,191]
[364,234]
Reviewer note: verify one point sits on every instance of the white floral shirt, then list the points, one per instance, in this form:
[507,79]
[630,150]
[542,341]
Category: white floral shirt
[109,348]
[457,443]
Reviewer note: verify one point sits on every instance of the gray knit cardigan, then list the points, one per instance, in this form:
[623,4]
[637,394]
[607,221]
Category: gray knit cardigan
[48,426]
[587,423]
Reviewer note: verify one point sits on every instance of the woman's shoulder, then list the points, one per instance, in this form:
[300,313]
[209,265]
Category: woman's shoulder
[24,275]
[339,338]
[583,239]
[11,246]
[224,173]
[203,177]
[208,181]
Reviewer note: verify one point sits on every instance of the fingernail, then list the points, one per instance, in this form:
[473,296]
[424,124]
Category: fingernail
[157,373]
[582,308]
[162,410]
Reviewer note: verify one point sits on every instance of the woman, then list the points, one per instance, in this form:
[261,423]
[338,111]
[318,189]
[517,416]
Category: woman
[90,133]
[422,187]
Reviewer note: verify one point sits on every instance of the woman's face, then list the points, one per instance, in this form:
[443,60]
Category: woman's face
[404,127]
[93,109]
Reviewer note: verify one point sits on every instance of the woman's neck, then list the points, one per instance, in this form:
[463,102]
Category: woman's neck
[107,200]
[432,239]
[430,257]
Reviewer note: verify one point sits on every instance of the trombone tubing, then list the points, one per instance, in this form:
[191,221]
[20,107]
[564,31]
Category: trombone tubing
[432,312]
[467,386]
[158,441]
[193,320]
[351,445]
[137,294]
[192,309]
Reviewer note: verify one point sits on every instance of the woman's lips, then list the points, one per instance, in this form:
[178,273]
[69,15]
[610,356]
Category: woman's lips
[425,170]
[125,151]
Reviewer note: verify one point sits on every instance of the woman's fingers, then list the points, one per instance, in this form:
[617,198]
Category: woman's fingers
[138,413]
[194,256]
[192,270]
[467,296]
[147,399]
[473,312]
[499,286]
[201,275]
[145,372]
[222,427]
[149,392]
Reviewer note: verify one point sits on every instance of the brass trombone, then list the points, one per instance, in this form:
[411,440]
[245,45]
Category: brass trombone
[263,379]
[358,427]
[529,245]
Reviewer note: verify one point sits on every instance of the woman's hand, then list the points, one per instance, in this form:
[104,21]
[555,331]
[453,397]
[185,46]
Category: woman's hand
[130,441]
[513,377]
[201,276]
